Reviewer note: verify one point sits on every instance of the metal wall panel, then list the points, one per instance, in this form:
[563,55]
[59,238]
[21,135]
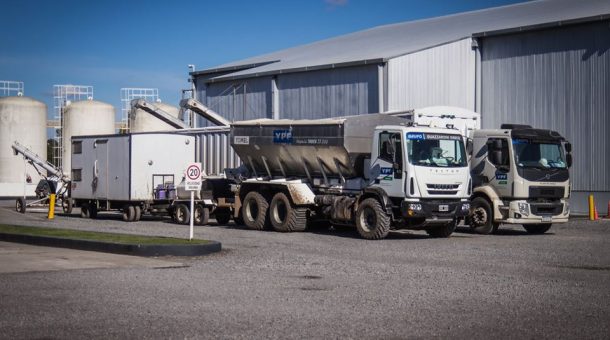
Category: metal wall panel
[215,151]
[237,100]
[328,93]
[442,75]
[557,79]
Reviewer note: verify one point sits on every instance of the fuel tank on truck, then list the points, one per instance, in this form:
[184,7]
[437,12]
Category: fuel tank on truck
[334,147]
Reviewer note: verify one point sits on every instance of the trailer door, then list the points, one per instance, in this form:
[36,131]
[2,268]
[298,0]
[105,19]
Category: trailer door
[100,169]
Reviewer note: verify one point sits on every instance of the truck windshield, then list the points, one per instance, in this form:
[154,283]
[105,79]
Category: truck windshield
[530,154]
[436,150]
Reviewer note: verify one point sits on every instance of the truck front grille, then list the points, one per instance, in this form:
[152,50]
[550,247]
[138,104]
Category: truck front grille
[442,189]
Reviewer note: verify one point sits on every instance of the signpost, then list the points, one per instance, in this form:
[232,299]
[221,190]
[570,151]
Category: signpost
[192,183]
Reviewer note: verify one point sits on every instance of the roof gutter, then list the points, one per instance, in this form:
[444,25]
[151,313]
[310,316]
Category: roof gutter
[551,24]
[299,69]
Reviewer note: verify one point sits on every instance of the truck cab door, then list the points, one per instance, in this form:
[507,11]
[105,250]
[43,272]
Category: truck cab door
[387,168]
[498,166]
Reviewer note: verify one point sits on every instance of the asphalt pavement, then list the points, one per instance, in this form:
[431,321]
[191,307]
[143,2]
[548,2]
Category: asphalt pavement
[322,284]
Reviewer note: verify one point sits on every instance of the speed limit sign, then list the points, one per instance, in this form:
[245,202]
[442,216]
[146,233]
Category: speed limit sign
[193,176]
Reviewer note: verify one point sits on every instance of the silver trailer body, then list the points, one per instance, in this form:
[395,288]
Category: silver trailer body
[128,167]
[329,148]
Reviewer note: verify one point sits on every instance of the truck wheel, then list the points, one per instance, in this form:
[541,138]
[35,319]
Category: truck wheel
[20,205]
[201,215]
[67,205]
[138,213]
[222,216]
[182,214]
[442,231]
[284,217]
[129,213]
[537,228]
[372,221]
[254,211]
[481,218]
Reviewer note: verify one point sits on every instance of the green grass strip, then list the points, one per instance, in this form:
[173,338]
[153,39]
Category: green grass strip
[96,236]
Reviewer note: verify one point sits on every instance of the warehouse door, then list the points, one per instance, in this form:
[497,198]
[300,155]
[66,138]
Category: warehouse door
[100,170]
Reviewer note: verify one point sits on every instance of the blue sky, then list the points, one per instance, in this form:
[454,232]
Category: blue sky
[114,44]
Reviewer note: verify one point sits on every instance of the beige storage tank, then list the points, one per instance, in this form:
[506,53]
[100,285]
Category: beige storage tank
[84,118]
[142,121]
[22,119]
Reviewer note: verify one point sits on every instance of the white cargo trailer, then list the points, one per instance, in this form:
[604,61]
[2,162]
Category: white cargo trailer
[136,173]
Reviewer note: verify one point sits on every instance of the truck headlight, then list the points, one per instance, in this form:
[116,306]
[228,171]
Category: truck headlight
[415,206]
[524,209]
[566,210]
[465,206]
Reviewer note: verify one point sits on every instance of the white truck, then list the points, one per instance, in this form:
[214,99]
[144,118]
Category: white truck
[520,176]
[376,171]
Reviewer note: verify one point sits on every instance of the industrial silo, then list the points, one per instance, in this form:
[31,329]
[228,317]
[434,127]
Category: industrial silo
[142,121]
[22,119]
[84,118]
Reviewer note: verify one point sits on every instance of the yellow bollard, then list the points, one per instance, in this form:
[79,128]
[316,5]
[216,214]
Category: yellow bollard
[51,207]
[591,208]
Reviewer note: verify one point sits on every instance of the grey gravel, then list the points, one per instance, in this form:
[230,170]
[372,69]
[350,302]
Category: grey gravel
[324,284]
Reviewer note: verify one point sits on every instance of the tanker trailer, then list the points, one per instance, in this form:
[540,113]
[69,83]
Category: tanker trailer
[376,172]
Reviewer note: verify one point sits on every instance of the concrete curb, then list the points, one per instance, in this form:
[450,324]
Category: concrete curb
[118,248]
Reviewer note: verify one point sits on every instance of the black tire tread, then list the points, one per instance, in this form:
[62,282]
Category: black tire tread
[261,221]
[383,226]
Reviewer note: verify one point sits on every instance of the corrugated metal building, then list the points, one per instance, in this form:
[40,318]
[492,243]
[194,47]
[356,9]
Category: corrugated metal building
[544,63]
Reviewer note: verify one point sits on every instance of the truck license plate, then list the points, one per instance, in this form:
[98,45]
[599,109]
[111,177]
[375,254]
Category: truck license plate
[546,218]
[443,207]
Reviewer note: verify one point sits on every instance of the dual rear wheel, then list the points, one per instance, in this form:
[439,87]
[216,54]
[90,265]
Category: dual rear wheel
[281,214]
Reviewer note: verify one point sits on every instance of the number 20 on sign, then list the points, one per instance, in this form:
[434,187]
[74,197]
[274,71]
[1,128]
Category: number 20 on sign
[193,176]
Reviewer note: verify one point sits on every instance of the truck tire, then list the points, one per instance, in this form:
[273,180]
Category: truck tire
[254,211]
[284,216]
[481,218]
[138,213]
[67,205]
[372,221]
[537,229]
[222,216]
[129,213]
[442,231]
[201,215]
[20,205]
[182,214]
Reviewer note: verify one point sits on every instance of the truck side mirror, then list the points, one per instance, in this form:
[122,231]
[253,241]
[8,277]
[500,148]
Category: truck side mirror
[569,160]
[568,147]
[469,146]
[496,157]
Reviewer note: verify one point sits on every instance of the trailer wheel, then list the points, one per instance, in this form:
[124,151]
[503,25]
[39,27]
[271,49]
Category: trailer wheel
[138,213]
[537,229]
[182,214]
[372,221]
[481,217]
[129,213]
[254,211]
[284,216]
[443,231]
[20,205]
[201,215]
[67,205]
[222,216]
